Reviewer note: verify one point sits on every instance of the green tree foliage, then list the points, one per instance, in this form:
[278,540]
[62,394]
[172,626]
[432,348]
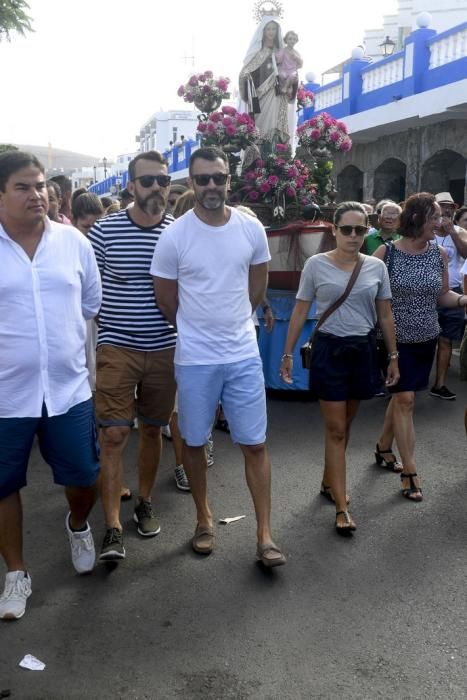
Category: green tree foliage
[7,147]
[13,18]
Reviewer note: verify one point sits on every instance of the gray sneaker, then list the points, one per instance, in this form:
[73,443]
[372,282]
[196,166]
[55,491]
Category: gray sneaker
[112,546]
[148,524]
[181,478]
[14,597]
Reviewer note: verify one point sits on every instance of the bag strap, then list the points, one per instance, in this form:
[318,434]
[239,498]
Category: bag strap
[343,297]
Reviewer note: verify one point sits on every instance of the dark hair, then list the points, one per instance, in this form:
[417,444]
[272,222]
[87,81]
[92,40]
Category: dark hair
[76,193]
[12,161]
[63,182]
[55,187]
[86,203]
[211,153]
[459,213]
[106,201]
[417,210]
[184,203]
[155,156]
[349,206]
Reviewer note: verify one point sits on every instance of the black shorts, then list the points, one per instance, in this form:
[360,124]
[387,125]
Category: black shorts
[343,369]
[451,322]
[415,363]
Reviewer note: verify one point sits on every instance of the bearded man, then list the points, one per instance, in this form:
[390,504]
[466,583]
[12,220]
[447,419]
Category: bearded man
[135,347]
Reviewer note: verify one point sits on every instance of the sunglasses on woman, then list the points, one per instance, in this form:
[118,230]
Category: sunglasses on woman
[148,180]
[347,230]
[217,178]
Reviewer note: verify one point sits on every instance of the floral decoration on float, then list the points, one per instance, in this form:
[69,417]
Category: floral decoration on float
[325,132]
[205,91]
[229,129]
[305,98]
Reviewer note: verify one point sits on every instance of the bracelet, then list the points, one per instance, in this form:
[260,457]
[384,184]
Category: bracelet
[459,298]
[286,354]
[393,355]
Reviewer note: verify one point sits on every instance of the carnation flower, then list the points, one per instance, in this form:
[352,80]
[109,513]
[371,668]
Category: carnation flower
[204,90]
[253,196]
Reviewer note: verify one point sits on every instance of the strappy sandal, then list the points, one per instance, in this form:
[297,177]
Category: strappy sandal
[392,464]
[413,493]
[327,493]
[349,527]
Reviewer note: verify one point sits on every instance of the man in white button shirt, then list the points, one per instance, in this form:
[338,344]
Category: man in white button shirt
[49,286]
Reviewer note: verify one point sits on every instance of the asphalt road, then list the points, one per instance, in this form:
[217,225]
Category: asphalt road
[380,615]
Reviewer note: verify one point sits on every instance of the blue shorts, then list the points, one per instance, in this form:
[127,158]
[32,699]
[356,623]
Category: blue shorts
[415,363]
[239,386]
[68,443]
[451,322]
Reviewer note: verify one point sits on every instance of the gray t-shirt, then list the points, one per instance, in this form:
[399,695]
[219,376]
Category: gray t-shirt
[323,281]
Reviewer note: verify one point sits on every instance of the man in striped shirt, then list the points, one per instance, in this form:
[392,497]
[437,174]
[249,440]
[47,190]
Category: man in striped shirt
[135,346]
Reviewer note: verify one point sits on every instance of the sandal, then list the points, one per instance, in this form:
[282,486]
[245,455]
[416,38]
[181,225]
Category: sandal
[203,539]
[327,493]
[392,464]
[413,493]
[126,494]
[267,554]
[349,526]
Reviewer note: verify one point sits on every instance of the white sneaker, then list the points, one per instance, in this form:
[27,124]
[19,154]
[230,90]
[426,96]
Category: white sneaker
[14,597]
[166,432]
[83,554]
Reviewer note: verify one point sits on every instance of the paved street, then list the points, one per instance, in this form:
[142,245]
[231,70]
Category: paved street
[382,615]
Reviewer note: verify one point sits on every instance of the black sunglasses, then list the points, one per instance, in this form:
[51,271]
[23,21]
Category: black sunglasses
[347,230]
[149,180]
[217,178]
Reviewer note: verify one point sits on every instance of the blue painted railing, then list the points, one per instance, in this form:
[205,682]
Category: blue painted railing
[428,61]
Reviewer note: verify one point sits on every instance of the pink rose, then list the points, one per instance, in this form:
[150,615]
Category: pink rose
[193,81]
[290,192]
[211,128]
[202,126]
[230,130]
[181,91]
[216,116]
[208,74]
[334,136]
[189,97]
[260,163]
[206,89]
[222,84]
[273,180]
[281,148]
[227,121]
[253,196]
[280,162]
[231,111]
[342,126]
[250,175]
[315,134]
[265,187]
[345,145]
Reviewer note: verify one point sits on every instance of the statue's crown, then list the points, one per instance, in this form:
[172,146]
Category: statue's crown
[271,8]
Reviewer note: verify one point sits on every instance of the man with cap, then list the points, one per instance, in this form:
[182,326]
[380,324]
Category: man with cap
[454,240]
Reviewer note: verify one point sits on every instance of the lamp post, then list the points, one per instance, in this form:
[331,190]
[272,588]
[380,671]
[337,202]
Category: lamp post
[95,173]
[387,47]
[104,163]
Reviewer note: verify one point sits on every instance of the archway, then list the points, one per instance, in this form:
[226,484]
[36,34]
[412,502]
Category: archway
[389,182]
[445,172]
[350,184]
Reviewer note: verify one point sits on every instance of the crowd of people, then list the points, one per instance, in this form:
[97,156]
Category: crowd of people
[124,322]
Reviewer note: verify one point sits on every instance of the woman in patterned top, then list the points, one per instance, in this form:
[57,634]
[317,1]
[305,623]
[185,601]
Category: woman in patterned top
[418,272]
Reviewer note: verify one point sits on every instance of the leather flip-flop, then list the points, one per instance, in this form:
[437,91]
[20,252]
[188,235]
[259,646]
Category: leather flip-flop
[203,539]
[267,554]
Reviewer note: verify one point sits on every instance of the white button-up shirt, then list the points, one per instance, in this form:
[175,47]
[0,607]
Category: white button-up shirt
[44,304]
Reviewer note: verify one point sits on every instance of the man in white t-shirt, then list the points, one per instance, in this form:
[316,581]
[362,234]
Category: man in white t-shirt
[210,269]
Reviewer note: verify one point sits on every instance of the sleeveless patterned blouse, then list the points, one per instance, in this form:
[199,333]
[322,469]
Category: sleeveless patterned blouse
[416,283]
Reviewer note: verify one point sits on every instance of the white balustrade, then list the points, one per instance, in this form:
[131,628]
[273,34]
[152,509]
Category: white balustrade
[380,76]
[449,48]
[326,98]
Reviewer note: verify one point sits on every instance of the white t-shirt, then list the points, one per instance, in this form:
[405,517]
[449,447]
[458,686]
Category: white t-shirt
[455,260]
[211,265]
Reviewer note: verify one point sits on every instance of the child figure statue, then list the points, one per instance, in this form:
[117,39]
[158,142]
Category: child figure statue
[289,61]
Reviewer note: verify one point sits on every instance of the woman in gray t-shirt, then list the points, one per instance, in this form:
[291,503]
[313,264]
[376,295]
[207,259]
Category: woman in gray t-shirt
[343,358]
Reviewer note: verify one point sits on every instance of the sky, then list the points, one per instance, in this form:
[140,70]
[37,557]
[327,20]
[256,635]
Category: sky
[94,71]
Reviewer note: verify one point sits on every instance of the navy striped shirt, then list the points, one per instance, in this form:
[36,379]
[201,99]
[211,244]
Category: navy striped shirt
[129,316]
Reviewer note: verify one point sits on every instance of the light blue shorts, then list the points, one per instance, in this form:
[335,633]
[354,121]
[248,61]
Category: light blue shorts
[239,386]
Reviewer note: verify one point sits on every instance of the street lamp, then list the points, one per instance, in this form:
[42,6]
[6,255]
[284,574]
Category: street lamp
[104,163]
[387,47]
[95,173]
